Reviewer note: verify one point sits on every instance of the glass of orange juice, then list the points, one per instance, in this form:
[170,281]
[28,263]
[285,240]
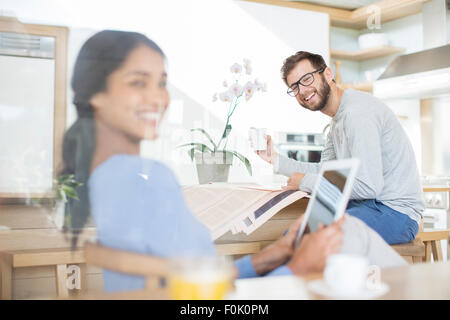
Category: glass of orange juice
[200,278]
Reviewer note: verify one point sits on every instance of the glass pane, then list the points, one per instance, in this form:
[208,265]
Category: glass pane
[26,124]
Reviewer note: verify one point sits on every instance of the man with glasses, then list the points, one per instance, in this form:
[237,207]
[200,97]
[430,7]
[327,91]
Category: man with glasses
[387,194]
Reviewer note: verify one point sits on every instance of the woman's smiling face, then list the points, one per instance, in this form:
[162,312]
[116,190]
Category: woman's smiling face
[135,97]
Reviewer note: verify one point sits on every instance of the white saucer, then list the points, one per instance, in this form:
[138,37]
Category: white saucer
[270,288]
[321,288]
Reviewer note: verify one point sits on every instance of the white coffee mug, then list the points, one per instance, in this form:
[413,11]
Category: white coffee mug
[346,273]
[258,139]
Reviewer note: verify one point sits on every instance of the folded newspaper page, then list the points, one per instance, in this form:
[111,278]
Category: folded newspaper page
[236,206]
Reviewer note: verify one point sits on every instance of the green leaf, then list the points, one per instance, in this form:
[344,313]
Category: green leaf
[244,160]
[76,184]
[66,178]
[227,131]
[207,135]
[197,146]
[70,192]
[191,153]
[228,155]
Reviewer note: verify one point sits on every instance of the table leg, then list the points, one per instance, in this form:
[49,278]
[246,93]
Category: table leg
[437,250]
[417,259]
[83,275]
[61,280]
[5,278]
[427,257]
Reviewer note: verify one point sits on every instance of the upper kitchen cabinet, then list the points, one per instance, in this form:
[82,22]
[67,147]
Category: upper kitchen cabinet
[33,64]
[366,35]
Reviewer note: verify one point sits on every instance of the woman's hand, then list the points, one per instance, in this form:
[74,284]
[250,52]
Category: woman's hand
[277,253]
[312,253]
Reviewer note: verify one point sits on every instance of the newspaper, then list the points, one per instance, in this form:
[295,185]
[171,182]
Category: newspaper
[237,207]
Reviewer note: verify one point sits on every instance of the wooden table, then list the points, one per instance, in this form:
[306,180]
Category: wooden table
[413,282]
[420,281]
[43,243]
[425,281]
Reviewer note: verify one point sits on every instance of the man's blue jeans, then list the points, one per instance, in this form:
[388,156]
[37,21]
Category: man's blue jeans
[393,226]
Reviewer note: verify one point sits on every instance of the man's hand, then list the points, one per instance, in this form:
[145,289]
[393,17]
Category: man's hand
[277,253]
[294,181]
[269,155]
[314,249]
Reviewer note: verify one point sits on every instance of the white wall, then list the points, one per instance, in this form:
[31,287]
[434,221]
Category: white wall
[202,39]
[441,136]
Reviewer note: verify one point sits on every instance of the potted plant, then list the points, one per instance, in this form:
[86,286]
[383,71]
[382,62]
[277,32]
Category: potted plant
[64,187]
[213,162]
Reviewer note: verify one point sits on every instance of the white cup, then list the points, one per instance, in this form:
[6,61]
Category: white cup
[346,273]
[258,139]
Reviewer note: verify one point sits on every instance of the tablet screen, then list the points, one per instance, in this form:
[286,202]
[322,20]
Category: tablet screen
[328,198]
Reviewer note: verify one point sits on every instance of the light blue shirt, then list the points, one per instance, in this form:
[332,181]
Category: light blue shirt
[137,205]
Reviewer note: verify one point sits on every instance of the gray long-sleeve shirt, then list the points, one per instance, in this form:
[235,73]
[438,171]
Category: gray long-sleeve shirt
[365,128]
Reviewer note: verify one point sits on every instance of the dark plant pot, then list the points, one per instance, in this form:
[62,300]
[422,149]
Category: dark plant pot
[213,167]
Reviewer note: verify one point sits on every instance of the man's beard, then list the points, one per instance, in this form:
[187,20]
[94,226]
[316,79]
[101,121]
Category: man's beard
[323,93]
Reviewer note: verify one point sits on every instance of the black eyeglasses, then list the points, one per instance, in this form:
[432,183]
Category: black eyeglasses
[305,81]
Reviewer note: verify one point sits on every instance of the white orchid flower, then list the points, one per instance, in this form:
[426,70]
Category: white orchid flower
[247,62]
[226,96]
[236,68]
[249,87]
[249,90]
[236,89]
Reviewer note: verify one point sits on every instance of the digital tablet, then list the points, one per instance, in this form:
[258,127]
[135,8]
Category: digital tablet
[330,195]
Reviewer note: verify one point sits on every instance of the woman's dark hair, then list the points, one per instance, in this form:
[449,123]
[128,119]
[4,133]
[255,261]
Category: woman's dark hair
[101,55]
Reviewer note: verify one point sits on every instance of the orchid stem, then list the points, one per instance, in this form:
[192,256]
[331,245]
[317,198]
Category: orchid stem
[228,120]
